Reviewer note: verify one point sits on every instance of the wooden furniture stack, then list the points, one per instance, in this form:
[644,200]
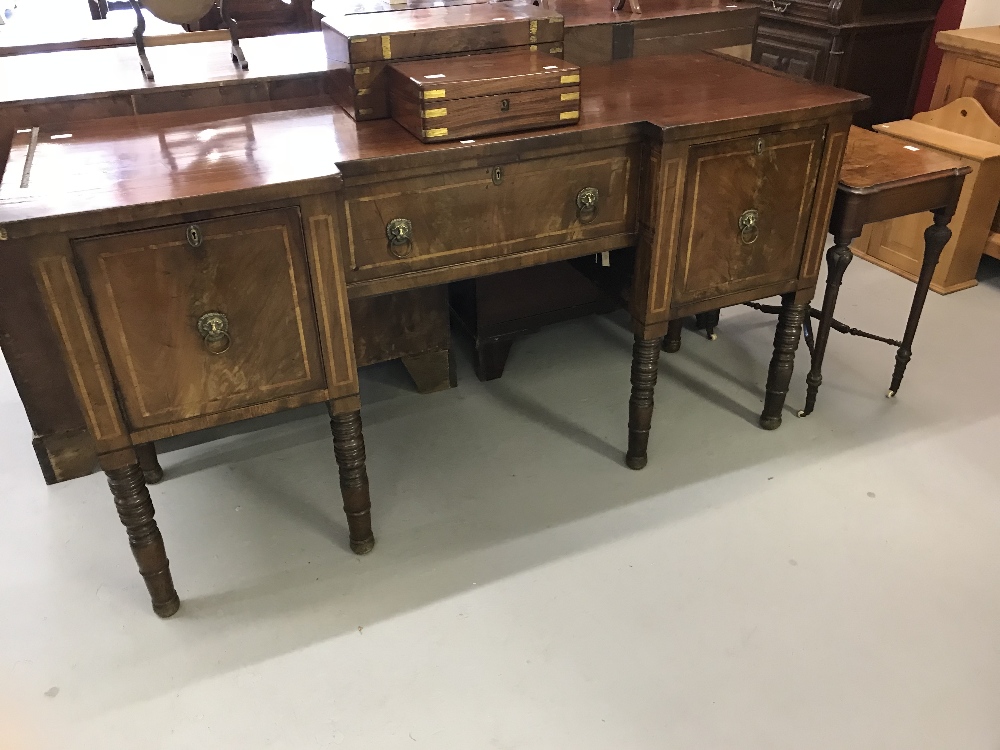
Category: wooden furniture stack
[971,67]
[964,131]
[165,318]
[876,47]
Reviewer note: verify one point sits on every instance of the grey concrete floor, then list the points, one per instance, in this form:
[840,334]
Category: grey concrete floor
[834,584]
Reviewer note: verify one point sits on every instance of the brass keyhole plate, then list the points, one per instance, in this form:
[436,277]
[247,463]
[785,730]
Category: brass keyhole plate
[194,236]
[505,105]
[497,175]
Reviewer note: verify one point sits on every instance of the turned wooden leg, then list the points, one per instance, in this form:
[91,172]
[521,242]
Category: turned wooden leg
[645,359]
[491,357]
[935,238]
[349,448]
[708,322]
[135,509]
[672,341]
[838,258]
[149,463]
[786,341]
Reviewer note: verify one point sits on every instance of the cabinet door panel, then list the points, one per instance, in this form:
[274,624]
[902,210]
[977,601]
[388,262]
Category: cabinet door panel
[771,175]
[151,288]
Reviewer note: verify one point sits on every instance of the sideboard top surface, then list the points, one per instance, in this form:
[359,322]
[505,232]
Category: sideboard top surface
[100,166]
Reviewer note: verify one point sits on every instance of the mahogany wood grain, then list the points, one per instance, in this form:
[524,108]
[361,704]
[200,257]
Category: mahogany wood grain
[156,161]
[405,34]
[150,288]
[772,175]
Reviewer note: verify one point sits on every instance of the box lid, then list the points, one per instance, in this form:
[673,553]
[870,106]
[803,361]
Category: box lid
[484,75]
[401,34]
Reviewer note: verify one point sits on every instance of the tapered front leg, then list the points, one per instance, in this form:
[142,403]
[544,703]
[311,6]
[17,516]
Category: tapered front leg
[786,341]
[149,463]
[935,238]
[838,258]
[135,509]
[645,360]
[349,448]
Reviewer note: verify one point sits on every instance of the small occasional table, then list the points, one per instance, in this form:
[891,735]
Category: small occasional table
[883,178]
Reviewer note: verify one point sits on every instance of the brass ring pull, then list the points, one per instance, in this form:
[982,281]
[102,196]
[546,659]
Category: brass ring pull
[586,204]
[749,226]
[399,232]
[214,329]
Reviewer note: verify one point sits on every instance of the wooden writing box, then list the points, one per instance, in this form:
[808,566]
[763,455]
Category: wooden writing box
[365,43]
[471,97]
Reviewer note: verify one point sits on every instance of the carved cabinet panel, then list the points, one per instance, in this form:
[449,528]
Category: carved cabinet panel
[205,317]
[747,204]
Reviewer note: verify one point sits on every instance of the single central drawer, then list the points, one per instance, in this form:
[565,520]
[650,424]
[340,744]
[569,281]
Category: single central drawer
[488,212]
[205,317]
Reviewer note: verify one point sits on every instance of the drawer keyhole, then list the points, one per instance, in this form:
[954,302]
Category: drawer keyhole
[505,105]
[194,236]
[497,175]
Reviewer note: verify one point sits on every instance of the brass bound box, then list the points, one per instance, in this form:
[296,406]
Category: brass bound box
[470,97]
[365,43]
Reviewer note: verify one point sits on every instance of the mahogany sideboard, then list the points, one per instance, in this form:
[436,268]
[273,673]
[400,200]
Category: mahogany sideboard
[208,281]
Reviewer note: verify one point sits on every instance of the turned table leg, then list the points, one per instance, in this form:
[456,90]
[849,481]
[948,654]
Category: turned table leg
[708,322]
[149,463]
[645,359]
[786,341]
[135,509]
[838,258]
[672,341]
[349,448]
[935,238]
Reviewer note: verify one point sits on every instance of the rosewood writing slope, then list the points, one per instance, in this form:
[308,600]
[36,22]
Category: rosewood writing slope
[197,271]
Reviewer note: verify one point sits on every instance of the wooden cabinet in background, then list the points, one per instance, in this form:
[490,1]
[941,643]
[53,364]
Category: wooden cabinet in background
[874,47]
[971,67]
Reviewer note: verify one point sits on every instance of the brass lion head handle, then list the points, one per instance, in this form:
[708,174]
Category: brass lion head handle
[399,232]
[749,226]
[214,329]
[586,204]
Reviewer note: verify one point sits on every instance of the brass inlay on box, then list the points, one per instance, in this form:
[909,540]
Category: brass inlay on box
[435,133]
[569,115]
[439,112]
[570,79]
[570,96]
[434,94]
[386,48]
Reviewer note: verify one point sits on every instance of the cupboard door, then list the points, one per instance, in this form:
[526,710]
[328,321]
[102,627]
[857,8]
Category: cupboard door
[746,212]
[205,317]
